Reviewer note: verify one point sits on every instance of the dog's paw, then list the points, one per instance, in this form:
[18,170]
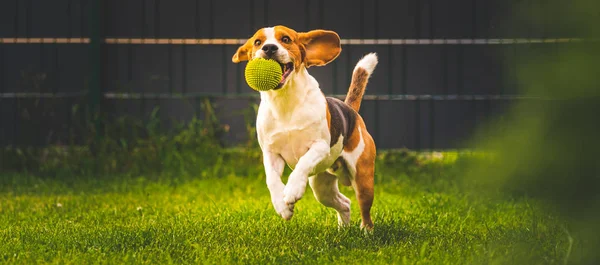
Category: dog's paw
[292,194]
[344,219]
[367,228]
[287,212]
[284,210]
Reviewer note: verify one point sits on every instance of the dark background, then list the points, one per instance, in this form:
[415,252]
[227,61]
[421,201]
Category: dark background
[452,87]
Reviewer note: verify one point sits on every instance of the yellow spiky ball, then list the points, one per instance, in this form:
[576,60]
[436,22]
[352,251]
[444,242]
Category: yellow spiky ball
[263,74]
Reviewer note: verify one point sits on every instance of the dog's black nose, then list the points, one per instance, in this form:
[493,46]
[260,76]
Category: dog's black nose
[269,49]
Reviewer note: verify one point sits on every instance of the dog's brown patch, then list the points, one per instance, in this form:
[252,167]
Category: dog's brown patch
[354,138]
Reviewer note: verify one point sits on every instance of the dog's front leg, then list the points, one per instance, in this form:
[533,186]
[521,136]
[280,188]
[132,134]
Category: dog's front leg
[296,185]
[274,165]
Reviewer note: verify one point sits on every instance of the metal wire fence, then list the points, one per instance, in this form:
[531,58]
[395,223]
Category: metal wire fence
[444,67]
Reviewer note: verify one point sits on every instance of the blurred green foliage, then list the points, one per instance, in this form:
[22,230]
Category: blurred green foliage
[126,145]
[548,149]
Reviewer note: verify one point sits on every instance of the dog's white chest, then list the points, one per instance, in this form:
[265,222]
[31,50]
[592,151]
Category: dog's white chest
[291,134]
[291,141]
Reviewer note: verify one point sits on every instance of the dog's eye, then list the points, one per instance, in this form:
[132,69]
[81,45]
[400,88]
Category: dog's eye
[257,42]
[286,39]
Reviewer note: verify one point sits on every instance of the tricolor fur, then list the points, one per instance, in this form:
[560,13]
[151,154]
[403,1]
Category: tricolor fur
[322,139]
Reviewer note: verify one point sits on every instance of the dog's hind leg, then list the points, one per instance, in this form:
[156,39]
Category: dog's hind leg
[325,189]
[363,181]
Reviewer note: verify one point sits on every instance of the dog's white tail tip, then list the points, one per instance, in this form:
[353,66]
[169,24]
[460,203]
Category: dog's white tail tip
[368,62]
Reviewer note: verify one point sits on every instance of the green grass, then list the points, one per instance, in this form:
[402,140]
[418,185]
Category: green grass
[421,218]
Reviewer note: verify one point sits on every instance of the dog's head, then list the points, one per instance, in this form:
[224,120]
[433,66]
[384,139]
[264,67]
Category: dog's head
[293,50]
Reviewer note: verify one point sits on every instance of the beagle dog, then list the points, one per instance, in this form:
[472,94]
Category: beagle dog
[323,140]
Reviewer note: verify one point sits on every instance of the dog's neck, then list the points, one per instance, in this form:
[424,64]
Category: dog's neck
[292,95]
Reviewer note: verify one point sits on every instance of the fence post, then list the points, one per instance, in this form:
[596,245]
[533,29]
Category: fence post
[95,62]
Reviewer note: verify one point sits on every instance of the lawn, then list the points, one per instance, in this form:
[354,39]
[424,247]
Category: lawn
[420,218]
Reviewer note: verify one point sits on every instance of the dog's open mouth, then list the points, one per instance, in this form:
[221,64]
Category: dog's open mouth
[287,69]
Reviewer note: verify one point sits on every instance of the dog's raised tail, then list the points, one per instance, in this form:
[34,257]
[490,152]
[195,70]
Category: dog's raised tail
[360,77]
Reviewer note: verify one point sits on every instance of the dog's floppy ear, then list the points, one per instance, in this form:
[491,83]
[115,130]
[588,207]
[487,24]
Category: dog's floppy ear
[243,52]
[322,46]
